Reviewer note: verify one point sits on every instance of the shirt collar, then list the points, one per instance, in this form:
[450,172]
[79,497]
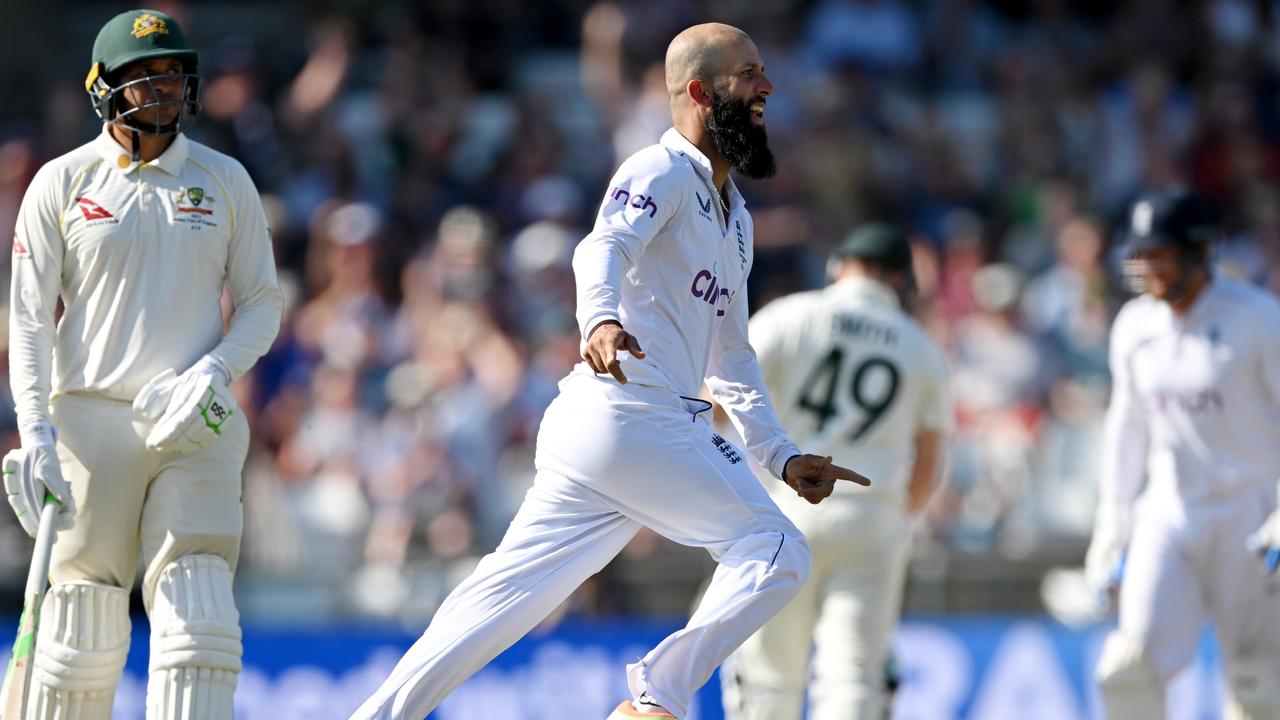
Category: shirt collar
[673,140]
[867,289]
[117,156]
[1200,309]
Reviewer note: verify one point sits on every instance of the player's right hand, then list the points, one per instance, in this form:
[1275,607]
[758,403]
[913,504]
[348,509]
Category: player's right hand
[28,474]
[1104,561]
[814,477]
[601,352]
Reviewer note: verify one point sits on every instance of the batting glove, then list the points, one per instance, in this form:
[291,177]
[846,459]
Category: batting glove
[189,410]
[1265,541]
[1104,561]
[32,472]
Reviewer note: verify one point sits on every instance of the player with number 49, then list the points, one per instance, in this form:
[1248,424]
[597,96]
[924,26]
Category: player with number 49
[852,374]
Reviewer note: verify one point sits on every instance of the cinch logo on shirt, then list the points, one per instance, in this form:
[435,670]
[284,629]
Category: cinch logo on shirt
[18,247]
[636,201]
[92,210]
[707,287]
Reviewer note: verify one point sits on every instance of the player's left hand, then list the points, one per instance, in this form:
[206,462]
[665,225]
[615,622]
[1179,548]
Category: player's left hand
[199,405]
[1265,541]
[814,477]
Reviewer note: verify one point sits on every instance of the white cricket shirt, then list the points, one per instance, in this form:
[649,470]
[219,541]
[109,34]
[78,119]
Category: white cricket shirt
[854,377]
[662,261]
[138,254]
[1195,401]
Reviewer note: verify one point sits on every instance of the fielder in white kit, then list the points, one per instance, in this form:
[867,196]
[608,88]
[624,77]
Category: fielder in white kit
[853,375]
[137,233]
[1195,410]
[626,443]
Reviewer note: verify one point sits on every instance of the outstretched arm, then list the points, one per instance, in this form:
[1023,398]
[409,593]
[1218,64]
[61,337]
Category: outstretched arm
[814,477]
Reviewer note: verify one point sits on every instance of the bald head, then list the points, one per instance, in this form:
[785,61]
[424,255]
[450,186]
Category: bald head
[702,52]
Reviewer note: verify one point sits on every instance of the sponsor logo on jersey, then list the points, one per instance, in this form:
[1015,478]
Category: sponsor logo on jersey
[644,203]
[726,449]
[706,286]
[92,210]
[704,206]
[148,24]
[18,247]
[1196,402]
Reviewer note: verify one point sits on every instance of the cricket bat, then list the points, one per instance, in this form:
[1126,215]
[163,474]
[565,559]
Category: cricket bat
[17,679]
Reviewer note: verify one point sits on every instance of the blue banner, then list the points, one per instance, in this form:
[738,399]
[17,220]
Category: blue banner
[987,668]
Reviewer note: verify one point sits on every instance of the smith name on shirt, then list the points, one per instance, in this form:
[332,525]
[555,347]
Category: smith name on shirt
[863,328]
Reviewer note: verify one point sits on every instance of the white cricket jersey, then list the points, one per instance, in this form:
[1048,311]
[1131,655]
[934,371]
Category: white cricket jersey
[854,377]
[663,262]
[139,254]
[1195,403]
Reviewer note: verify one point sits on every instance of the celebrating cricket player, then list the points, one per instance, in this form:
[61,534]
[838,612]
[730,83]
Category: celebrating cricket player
[662,307]
[122,402]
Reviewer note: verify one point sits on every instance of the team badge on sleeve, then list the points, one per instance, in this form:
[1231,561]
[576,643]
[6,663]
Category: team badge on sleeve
[18,247]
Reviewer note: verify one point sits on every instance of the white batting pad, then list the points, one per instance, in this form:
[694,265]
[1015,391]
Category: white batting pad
[195,641]
[1130,688]
[81,648]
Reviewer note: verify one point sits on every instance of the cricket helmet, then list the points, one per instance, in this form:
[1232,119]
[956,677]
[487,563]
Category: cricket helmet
[130,37]
[1171,217]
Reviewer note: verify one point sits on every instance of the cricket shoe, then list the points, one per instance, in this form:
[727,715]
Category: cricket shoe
[627,710]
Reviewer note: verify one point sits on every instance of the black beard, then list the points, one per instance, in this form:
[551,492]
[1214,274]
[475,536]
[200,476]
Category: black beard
[738,140]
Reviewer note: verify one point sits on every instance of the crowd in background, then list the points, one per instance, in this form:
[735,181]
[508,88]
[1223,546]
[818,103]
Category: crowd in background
[428,168]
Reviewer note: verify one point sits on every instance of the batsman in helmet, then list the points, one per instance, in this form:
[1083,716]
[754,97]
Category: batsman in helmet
[1187,526]
[123,404]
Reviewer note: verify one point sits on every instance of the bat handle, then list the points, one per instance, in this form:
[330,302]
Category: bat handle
[38,575]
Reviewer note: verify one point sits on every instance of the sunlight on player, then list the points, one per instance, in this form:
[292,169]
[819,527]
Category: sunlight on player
[136,234]
[662,308]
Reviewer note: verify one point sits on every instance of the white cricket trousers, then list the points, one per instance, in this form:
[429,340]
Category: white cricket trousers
[611,458]
[1189,563]
[844,616]
[129,498]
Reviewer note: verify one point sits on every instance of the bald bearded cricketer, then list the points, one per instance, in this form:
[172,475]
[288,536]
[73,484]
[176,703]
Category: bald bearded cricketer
[662,309]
